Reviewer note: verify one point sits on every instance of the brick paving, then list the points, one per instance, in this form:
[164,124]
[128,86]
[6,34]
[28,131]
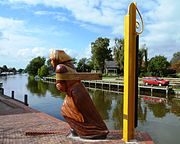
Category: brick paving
[20,124]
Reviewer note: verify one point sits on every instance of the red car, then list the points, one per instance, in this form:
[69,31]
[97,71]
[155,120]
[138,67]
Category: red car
[155,81]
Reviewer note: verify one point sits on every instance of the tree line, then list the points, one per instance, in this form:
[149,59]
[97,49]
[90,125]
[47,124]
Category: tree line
[4,68]
[101,52]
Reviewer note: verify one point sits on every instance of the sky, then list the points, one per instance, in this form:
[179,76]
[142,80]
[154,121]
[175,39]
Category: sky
[31,28]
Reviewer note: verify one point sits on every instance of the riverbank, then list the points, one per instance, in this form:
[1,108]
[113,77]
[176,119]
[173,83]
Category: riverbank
[114,85]
[22,124]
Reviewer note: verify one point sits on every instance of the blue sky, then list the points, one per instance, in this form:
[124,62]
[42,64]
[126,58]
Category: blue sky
[31,28]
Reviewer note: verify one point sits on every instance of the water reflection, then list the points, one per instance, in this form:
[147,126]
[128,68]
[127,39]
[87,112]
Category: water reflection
[102,102]
[118,115]
[40,88]
[54,92]
[109,106]
[159,109]
[175,106]
[154,117]
[37,87]
[142,112]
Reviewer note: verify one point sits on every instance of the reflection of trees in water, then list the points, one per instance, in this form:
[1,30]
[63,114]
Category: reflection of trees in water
[142,112]
[175,106]
[37,87]
[102,102]
[106,102]
[54,92]
[40,88]
[118,114]
[4,78]
[159,109]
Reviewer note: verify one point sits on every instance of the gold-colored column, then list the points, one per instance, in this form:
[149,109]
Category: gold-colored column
[129,73]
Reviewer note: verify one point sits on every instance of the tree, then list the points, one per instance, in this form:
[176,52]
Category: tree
[43,71]
[13,70]
[90,65]
[20,70]
[1,70]
[176,58]
[175,62]
[49,63]
[119,53]
[5,68]
[176,66]
[142,60]
[158,66]
[50,67]
[34,65]
[119,56]
[74,61]
[100,53]
[84,65]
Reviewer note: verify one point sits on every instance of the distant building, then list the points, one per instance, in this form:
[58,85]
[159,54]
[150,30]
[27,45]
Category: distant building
[7,73]
[111,68]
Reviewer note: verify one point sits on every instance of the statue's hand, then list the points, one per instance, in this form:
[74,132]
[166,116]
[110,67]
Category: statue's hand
[61,86]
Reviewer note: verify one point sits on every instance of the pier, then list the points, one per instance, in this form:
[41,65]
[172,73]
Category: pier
[25,102]
[20,124]
[118,85]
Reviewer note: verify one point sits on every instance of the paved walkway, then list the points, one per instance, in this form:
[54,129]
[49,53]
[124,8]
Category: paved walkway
[20,124]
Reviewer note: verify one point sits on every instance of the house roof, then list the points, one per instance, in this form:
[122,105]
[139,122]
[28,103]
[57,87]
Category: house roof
[111,64]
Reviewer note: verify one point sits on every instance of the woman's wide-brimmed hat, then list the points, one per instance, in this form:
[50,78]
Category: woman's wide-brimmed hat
[60,56]
[67,73]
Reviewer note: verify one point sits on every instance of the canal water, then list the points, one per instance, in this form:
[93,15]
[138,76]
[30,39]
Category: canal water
[161,119]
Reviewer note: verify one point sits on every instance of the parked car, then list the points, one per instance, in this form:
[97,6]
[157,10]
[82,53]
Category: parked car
[155,81]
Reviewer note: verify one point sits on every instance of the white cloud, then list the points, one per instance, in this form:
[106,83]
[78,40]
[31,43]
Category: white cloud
[27,54]
[10,24]
[87,52]
[161,19]
[13,42]
[162,33]
[19,42]
[93,28]
[104,13]
[57,15]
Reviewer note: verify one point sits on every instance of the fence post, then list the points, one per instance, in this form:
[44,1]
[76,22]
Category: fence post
[12,94]
[109,86]
[151,91]
[2,91]
[167,91]
[26,99]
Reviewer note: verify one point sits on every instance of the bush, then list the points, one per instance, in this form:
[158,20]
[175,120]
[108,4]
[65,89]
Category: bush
[43,71]
[34,65]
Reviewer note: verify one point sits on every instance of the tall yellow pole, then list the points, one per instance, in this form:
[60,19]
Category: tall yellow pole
[129,73]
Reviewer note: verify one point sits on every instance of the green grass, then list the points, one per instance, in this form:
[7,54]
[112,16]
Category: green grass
[178,74]
[108,78]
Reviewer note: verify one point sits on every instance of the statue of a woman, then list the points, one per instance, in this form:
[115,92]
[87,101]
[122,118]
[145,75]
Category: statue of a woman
[78,109]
